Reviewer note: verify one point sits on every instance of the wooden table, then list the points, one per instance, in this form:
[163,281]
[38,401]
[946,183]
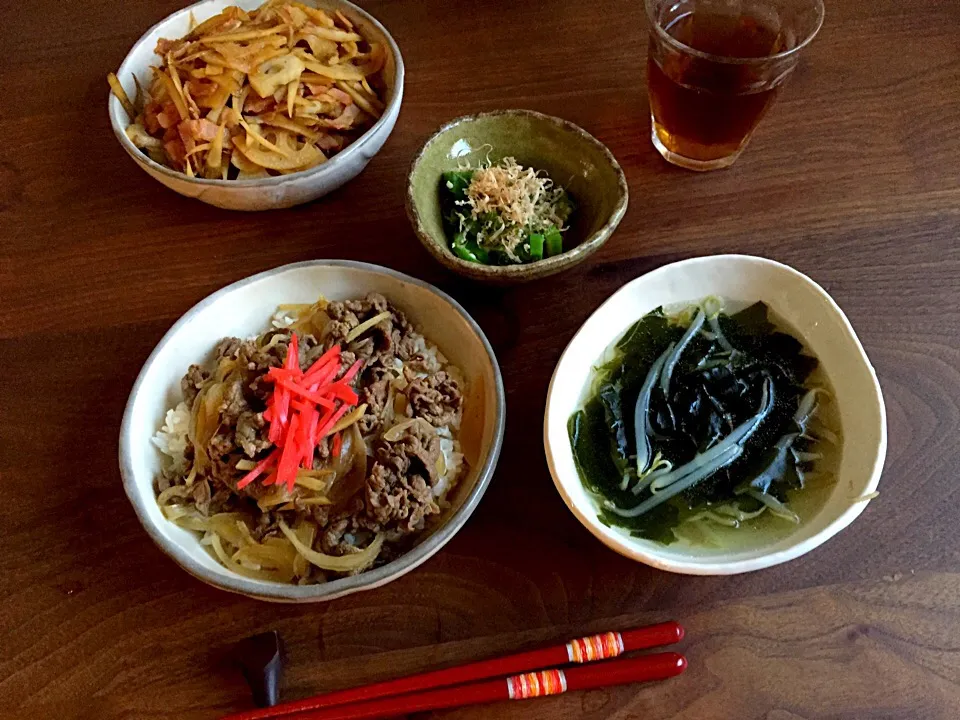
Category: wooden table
[853,179]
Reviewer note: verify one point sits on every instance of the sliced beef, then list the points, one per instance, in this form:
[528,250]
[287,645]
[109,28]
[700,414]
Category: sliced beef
[220,444]
[229,347]
[268,524]
[250,433]
[399,490]
[408,347]
[222,471]
[220,500]
[369,422]
[348,530]
[347,359]
[364,349]
[349,519]
[201,495]
[256,356]
[233,405]
[373,304]
[435,398]
[379,342]
[261,388]
[321,515]
[342,321]
[323,452]
[192,382]
[398,501]
[310,351]
[332,538]
[374,393]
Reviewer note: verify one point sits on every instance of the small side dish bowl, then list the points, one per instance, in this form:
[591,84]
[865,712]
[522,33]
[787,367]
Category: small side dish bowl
[815,318]
[243,310]
[263,193]
[571,157]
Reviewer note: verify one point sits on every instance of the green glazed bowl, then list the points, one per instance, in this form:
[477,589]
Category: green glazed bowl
[571,156]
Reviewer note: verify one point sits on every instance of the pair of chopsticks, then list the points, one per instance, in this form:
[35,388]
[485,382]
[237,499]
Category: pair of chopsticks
[469,684]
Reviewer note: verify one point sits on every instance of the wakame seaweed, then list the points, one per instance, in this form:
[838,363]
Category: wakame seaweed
[695,414]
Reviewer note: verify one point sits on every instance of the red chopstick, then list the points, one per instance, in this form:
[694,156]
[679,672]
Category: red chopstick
[581,650]
[518,687]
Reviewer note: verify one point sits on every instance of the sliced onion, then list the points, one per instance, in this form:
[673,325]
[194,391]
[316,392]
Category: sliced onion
[272,556]
[277,496]
[307,532]
[316,480]
[226,526]
[178,491]
[396,432]
[367,324]
[345,563]
[236,567]
[351,467]
[349,419]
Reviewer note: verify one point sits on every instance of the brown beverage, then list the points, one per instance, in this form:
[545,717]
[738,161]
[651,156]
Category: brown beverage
[705,108]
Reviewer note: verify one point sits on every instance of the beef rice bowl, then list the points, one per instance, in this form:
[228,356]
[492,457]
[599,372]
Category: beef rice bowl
[318,449]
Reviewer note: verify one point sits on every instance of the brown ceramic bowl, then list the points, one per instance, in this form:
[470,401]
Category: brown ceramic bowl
[570,155]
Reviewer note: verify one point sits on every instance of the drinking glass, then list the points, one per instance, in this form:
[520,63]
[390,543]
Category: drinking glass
[715,67]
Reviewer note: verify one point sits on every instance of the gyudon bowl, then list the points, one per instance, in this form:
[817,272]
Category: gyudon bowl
[374,503]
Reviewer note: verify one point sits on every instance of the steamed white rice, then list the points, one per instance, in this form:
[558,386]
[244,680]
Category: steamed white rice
[172,439]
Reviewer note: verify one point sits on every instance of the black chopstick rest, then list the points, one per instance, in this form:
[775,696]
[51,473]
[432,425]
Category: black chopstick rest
[261,659]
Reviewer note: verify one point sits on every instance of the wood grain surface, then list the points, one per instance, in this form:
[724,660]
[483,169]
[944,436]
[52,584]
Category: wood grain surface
[854,178]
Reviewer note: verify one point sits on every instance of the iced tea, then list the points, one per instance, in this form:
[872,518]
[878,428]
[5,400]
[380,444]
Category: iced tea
[714,69]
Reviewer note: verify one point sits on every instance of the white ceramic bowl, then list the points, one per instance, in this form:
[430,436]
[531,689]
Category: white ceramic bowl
[826,332]
[244,309]
[266,193]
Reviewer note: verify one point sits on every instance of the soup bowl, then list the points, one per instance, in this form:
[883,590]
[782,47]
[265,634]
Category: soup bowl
[826,333]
